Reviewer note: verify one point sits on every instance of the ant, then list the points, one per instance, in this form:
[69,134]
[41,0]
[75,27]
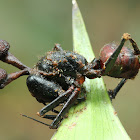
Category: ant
[58,76]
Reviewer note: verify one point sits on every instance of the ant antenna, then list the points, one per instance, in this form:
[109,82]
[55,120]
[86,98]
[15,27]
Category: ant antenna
[34,119]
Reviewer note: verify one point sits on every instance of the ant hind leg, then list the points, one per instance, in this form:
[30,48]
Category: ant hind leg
[113,93]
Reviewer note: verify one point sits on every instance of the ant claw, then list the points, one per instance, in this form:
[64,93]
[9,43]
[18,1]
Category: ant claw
[111,94]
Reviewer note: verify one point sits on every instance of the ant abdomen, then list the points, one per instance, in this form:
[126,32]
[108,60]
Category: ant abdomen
[126,65]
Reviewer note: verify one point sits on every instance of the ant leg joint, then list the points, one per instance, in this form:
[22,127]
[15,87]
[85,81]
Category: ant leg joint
[126,36]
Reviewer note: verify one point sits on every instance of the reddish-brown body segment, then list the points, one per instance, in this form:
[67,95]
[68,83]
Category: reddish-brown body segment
[127,64]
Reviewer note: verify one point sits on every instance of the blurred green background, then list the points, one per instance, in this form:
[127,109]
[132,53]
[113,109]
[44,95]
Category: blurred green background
[33,26]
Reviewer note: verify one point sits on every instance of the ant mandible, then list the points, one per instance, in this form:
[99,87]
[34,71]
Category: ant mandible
[58,76]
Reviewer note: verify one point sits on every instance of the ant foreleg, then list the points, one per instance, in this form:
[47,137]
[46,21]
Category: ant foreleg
[53,110]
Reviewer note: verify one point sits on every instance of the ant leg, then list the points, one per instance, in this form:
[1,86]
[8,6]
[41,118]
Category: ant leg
[50,117]
[53,110]
[111,61]
[82,96]
[81,99]
[71,100]
[135,47]
[57,47]
[56,102]
[5,78]
[113,93]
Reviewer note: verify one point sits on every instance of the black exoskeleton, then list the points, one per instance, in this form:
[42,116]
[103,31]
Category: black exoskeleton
[58,76]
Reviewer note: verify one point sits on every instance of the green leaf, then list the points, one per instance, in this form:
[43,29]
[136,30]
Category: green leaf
[95,118]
